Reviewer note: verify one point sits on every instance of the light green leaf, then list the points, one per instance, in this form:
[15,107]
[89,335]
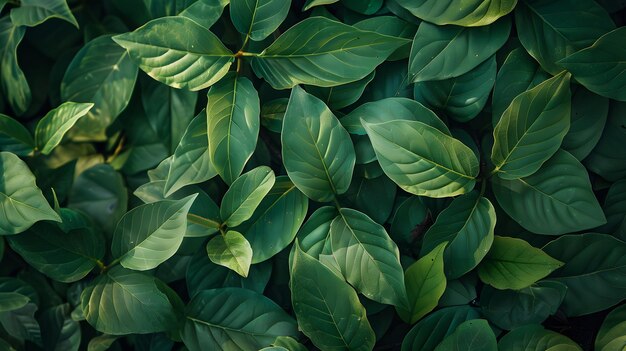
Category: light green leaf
[317,151]
[557,199]
[314,233]
[551,30]
[289,343]
[178,52]
[10,301]
[234,319]
[532,128]
[204,12]
[245,195]
[449,51]
[123,302]
[354,237]
[14,137]
[589,115]
[594,281]
[536,338]
[21,201]
[429,332]
[467,224]
[231,250]
[472,335]
[302,53]
[422,160]
[53,126]
[460,98]
[13,82]
[191,162]
[612,333]
[312,3]
[258,18]
[103,74]
[327,308]
[425,284]
[607,158]
[600,67]
[150,234]
[34,12]
[232,115]
[461,13]
[514,264]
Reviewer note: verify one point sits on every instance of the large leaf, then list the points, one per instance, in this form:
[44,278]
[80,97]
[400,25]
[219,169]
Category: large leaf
[536,338]
[600,67]
[178,52]
[150,234]
[234,319]
[423,160]
[532,128]
[232,114]
[301,54]
[594,281]
[607,158]
[392,26]
[125,302]
[245,195]
[103,74]
[551,30]
[53,126]
[557,199]
[612,333]
[12,79]
[14,137]
[514,264]
[258,19]
[204,12]
[34,12]
[430,331]
[472,335]
[449,51]
[589,115]
[342,95]
[21,202]
[327,308]
[425,284]
[231,250]
[468,225]
[465,13]
[317,151]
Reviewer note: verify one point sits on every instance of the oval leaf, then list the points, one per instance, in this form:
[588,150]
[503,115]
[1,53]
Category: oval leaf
[466,13]
[231,250]
[14,137]
[245,195]
[53,126]
[472,335]
[258,19]
[536,338]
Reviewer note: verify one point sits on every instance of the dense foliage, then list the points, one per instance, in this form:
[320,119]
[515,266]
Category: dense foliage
[320,174]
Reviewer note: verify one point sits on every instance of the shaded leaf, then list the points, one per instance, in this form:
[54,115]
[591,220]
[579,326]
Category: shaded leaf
[34,12]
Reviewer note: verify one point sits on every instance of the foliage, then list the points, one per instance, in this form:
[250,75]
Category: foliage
[312,174]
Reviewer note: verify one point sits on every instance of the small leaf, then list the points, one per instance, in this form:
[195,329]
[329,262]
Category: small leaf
[612,333]
[472,335]
[314,233]
[31,13]
[430,331]
[14,137]
[467,13]
[10,301]
[12,79]
[312,3]
[53,126]
[231,250]
[245,195]
[258,18]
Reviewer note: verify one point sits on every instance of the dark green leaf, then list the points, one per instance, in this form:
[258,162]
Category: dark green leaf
[14,137]
[430,331]
[607,158]
[258,19]
[589,115]
[59,332]
[536,338]
[342,95]
[12,79]
[612,333]
[34,12]
[466,13]
[475,334]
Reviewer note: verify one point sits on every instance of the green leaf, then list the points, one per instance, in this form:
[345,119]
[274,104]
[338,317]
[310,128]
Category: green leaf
[178,52]
[312,3]
[406,154]
[101,73]
[607,158]
[594,281]
[231,250]
[245,195]
[233,121]
[63,256]
[365,7]
[532,128]
[514,264]
[150,234]
[425,284]
[317,151]
[53,126]
[59,331]
[612,333]
[557,199]
[14,137]
[460,98]
[551,30]
[391,26]
[449,51]
[281,213]
[21,201]
[354,237]
[123,302]
[600,67]
[314,233]
[589,115]
[272,114]
[234,319]
[21,323]
[536,338]
[31,13]
[258,19]
[101,342]
[410,215]
[342,95]
[10,301]
[429,332]
[301,54]
[191,162]
[466,13]
[475,334]
[509,309]
[204,12]
[615,209]
[467,224]
[327,308]
[12,80]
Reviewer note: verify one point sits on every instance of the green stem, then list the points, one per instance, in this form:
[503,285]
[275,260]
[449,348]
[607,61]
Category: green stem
[245,42]
[483,186]
[337,204]
[205,222]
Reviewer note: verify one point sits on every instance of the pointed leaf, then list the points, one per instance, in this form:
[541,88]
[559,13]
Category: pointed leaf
[258,18]
[14,137]
[612,333]
[245,195]
[472,335]
[34,12]
[429,332]
[314,233]
[342,95]
[466,13]
[12,79]
[607,158]
[53,126]
[231,250]
[589,115]
[10,301]
[536,338]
